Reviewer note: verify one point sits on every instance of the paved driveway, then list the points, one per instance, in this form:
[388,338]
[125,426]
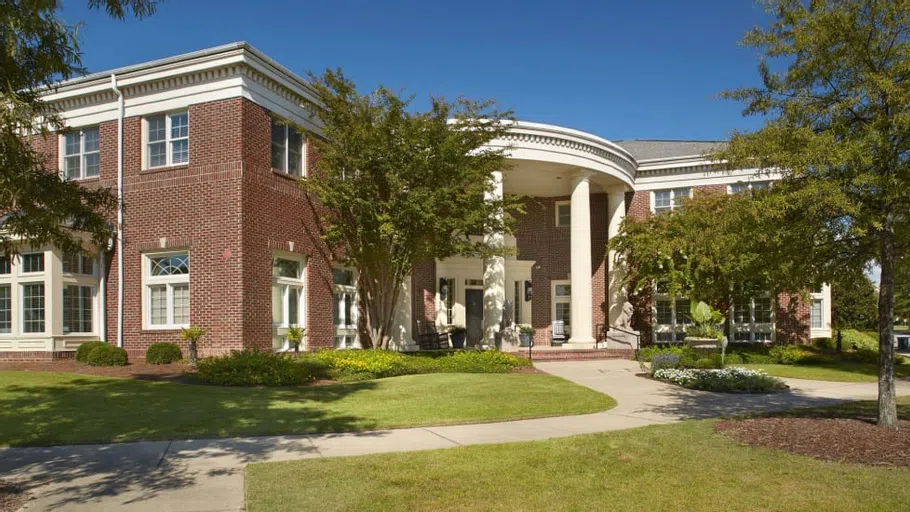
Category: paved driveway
[207,474]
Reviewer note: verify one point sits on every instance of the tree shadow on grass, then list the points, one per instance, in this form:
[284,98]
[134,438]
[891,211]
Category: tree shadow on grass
[73,409]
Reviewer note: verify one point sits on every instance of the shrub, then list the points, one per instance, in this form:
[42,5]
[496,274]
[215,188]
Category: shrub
[664,361]
[353,365]
[83,351]
[728,380]
[480,361]
[255,368]
[824,343]
[163,353]
[733,358]
[788,354]
[854,339]
[192,334]
[648,353]
[107,355]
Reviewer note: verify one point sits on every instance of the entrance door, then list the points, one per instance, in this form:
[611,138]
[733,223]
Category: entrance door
[473,300]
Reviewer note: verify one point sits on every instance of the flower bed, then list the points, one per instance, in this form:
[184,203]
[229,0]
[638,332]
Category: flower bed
[727,380]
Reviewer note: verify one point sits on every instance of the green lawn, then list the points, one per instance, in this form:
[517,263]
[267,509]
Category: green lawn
[686,466]
[841,372]
[38,408]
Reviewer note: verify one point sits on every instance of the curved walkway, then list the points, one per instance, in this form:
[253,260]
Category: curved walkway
[207,474]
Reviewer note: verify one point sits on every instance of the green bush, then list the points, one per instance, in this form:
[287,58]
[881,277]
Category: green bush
[480,361]
[788,354]
[648,353]
[354,365]
[255,368]
[733,358]
[107,355]
[83,351]
[728,380]
[825,343]
[163,353]
[854,339]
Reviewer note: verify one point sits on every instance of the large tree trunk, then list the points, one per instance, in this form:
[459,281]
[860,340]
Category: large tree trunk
[887,404]
[380,296]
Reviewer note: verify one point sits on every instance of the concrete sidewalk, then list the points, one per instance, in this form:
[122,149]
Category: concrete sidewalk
[207,474]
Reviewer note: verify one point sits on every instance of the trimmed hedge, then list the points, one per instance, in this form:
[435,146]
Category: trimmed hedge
[255,368]
[83,351]
[355,365]
[163,353]
[107,355]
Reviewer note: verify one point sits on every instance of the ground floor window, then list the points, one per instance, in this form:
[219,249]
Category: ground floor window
[562,303]
[517,299]
[751,318]
[288,298]
[6,309]
[671,316]
[817,314]
[33,308]
[77,309]
[344,311]
[167,296]
[450,301]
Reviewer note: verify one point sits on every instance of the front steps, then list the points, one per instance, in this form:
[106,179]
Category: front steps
[573,354]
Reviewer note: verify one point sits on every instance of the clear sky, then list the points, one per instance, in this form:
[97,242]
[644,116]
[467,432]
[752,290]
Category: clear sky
[618,68]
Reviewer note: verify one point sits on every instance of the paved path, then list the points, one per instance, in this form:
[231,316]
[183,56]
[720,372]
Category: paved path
[207,474]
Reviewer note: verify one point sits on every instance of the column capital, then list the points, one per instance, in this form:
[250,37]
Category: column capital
[581,175]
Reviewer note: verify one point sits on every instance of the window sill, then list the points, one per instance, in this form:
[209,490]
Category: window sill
[163,328]
[152,170]
[282,174]
[90,179]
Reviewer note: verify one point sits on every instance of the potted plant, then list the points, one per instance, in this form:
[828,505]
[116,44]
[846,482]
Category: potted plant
[525,335]
[704,332]
[458,333]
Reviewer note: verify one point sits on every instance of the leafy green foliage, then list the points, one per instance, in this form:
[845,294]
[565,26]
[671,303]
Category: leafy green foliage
[257,368]
[163,353]
[854,301]
[85,349]
[729,380]
[400,187]
[107,355]
[37,207]
[192,334]
[354,365]
[705,320]
[295,337]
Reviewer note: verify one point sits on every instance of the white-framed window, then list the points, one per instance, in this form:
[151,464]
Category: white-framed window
[288,152]
[81,153]
[288,297]
[562,302]
[671,315]
[78,263]
[817,314]
[31,263]
[33,312]
[740,187]
[517,299]
[669,199]
[167,139]
[6,308]
[449,301]
[563,214]
[344,314]
[6,267]
[752,318]
[167,290]
[78,306]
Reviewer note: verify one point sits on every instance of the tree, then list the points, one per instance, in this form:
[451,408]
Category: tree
[854,303]
[400,187]
[36,206]
[295,337]
[837,113]
[192,335]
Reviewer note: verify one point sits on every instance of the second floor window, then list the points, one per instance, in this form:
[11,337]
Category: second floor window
[81,154]
[167,139]
[669,199]
[287,149]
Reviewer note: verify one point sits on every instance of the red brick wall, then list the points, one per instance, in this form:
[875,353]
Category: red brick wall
[792,320]
[423,294]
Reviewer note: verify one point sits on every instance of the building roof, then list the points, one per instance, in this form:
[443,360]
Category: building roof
[645,149]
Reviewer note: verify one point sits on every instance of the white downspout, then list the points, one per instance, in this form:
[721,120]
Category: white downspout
[119,210]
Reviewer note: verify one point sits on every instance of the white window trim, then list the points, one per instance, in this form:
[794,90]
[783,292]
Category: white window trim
[82,257]
[82,153]
[752,326]
[19,270]
[303,145]
[94,291]
[556,214]
[675,326]
[21,308]
[148,281]
[12,304]
[673,205]
[344,330]
[146,165]
[558,300]
[750,185]
[77,279]
[281,329]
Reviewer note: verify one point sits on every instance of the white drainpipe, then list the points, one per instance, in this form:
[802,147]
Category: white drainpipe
[119,210]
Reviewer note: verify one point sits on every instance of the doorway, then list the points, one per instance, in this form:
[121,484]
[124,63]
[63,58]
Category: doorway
[473,300]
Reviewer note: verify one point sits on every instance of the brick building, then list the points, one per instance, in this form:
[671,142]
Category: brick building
[216,231]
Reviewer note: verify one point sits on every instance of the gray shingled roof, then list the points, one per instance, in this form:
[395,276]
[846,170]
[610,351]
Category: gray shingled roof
[647,149]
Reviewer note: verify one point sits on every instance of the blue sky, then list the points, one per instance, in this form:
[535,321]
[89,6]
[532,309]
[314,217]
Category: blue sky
[619,69]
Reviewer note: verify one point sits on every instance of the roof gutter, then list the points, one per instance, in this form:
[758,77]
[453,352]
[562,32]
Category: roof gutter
[119,209]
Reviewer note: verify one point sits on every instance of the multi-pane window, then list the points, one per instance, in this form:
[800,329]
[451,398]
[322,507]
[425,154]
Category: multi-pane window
[751,318]
[737,188]
[6,309]
[79,263]
[167,139]
[563,214]
[817,314]
[33,308]
[450,301]
[669,199]
[77,308]
[562,303]
[288,285]
[5,266]
[287,149]
[81,154]
[168,291]
[671,315]
[32,263]
[516,295]
[344,283]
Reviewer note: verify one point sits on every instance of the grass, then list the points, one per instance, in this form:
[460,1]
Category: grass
[39,408]
[838,372]
[686,466]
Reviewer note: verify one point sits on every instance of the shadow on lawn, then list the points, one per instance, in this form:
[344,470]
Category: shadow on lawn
[104,409]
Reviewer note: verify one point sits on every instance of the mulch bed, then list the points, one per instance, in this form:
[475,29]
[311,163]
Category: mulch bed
[12,497]
[139,370]
[852,440]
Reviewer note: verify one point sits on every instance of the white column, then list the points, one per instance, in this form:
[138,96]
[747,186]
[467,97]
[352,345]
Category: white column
[616,295]
[582,330]
[494,275]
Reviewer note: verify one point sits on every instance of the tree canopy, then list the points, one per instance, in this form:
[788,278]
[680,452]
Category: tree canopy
[36,206]
[401,186]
